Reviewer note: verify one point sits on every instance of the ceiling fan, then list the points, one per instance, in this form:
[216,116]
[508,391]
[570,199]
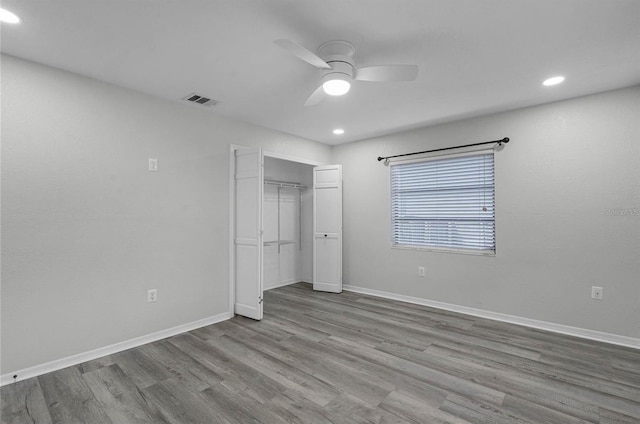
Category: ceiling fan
[336,59]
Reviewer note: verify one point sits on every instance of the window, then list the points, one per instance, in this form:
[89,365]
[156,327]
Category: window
[445,203]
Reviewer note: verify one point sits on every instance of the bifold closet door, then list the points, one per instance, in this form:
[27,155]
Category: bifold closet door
[248,232]
[327,228]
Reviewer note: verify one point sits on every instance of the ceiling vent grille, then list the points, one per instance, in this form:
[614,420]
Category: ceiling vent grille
[199,100]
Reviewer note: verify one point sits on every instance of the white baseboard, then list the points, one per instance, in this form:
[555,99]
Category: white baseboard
[283,283]
[513,319]
[109,350]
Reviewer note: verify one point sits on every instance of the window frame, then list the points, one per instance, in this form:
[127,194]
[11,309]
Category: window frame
[438,249]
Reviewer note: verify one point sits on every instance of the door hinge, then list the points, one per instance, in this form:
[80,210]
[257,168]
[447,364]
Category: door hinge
[259,300]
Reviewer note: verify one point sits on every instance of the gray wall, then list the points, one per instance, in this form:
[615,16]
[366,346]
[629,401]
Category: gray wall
[568,165]
[86,229]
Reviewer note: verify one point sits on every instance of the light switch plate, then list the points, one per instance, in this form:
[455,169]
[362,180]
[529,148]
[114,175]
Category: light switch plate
[152,295]
[153,164]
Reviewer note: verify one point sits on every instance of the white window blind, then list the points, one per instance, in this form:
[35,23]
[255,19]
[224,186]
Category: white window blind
[445,203]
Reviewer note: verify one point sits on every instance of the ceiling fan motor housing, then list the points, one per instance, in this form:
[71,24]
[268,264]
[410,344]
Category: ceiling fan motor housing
[339,55]
[341,66]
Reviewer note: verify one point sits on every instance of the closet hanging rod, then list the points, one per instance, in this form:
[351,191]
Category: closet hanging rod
[285,184]
[499,142]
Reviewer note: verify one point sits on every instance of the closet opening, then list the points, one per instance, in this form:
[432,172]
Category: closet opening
[287,221]
[285,226]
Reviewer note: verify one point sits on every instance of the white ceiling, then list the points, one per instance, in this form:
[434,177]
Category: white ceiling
[475,56]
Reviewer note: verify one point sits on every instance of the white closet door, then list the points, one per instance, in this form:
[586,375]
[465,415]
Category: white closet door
[248,232]
[327,228]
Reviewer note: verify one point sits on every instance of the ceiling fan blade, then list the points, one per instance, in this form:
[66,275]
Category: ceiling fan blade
[388,73]
[316,97]
[302,53]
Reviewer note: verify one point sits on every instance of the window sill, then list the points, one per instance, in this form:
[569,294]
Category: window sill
[445,250]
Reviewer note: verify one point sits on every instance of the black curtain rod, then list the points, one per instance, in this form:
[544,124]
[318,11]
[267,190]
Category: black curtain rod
[504,140]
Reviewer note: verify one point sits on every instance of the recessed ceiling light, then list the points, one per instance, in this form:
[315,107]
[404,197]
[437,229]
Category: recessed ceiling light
[338,131]
[8,17]
[553,80]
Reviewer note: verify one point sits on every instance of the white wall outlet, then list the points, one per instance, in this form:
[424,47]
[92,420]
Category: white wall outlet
[153,164]
[420,271]
[597,293]
[152,295]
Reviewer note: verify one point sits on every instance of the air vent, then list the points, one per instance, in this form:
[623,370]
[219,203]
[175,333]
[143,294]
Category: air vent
[200,100]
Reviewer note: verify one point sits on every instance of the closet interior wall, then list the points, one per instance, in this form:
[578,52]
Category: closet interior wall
[287,222]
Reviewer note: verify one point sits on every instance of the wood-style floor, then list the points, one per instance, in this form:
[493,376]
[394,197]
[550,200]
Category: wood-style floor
[348,358]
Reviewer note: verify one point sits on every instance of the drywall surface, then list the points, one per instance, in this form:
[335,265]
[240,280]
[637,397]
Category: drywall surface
[87,229]
[567,216]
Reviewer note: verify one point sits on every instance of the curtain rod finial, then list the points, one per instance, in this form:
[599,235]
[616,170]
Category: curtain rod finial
[380,158]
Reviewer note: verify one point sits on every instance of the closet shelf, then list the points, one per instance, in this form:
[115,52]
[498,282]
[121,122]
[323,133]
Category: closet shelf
[279,242]
[287,184]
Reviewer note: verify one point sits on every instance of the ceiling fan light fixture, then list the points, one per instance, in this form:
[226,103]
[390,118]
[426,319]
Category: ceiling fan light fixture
[336,86]
[335,58]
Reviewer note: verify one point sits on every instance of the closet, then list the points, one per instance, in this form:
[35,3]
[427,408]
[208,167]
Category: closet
[286,227]
[287,219]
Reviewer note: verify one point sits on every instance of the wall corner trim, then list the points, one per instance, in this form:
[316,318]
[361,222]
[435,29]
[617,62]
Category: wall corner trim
[109,350]
[513,319]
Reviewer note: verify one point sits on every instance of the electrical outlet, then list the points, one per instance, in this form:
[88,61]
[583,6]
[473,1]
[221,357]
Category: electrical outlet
[152,295]
[153,164]
[420,271]
[597,293]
